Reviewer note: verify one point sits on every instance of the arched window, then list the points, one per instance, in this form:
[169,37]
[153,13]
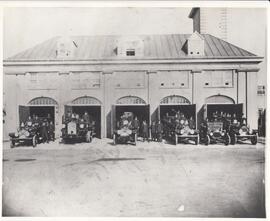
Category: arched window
[43,101]
[130,100]
[86,100]
[174,99]
[219,99]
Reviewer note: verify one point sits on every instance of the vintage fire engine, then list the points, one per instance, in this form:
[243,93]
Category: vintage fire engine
[216,133]
[242,132]
[179,130]
[26,134]
[76,130]
[125,132]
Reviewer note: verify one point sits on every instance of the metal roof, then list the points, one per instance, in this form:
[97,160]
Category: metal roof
[168,46]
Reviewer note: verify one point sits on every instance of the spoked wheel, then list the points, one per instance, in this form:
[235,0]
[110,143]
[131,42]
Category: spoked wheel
[207,142]
[176,139]
[12,144]
[34,141]
[114,139]
[197,139]
[233,139]
[135,139]
[227,139]
[88,137]
[254,140]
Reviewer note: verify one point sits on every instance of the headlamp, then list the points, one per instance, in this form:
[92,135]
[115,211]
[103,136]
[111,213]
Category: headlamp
[182,131]
[211,134]
[27,133]
[191,131]
[81,125]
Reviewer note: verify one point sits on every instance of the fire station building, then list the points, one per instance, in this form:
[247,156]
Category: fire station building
[149,75]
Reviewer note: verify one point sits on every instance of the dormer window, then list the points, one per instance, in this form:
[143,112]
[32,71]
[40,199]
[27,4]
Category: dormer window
[194,46]
[130,46]
[130,52]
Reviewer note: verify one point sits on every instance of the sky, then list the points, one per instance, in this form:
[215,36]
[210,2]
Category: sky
[26,27]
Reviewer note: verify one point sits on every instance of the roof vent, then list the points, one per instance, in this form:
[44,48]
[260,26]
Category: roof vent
[194,46]
[65,47]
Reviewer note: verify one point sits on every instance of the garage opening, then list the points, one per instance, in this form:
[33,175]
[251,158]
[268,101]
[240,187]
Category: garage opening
[132,104]
[90,105]
[230,109]
[174,104]
[43,107]
[221,104]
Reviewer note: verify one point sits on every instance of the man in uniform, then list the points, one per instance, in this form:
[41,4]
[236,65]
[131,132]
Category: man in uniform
[204,129]
[29,122]
[145,131]
[44,131]
[192,123]
[136,124]
[86,118]
[159,131]
[51,131]
[153,131]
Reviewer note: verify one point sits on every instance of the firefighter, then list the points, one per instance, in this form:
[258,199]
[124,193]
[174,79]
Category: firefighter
[153,131]
[234,119]
[192,123]
[204,129]
[159,131]
[86,117]
[29,122]
[145,131]
[44,131]
[136,124]
[36,121]
[51,131]
[49,118]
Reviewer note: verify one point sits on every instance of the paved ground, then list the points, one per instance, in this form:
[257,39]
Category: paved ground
[154,179]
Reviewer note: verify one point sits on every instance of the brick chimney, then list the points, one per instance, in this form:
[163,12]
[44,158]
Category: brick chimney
[210,21]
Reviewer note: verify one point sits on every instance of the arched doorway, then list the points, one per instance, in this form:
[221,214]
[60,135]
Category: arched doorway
[175,103]
[221,104]
[133,104]
[43,107]
[88,104]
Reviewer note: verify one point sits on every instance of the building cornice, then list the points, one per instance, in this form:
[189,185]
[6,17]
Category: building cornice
[196,60]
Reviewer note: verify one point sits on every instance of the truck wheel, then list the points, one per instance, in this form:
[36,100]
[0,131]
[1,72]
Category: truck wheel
[254,140]
[227,139]
[88,137]
[197,139]
[34,141]
[233,139]
[12,144]
[114,139]
[135,139]
[207,142]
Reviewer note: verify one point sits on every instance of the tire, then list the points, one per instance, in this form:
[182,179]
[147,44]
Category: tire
[233,139]
[88,137]
[227,140]
[12,144]
[197,139]
[254,140]
[135,139]
[207,142]
[114,139]
[34,141]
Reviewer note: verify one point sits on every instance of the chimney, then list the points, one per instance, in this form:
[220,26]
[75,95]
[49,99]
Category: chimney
[210,21]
